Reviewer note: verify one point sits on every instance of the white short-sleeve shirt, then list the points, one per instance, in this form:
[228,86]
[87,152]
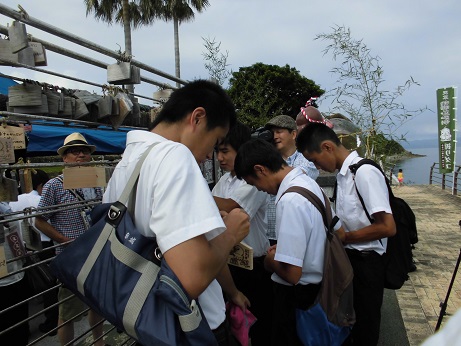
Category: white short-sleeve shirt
[173,202]
[254,203]
[27,200]
[373,190]
[300,230]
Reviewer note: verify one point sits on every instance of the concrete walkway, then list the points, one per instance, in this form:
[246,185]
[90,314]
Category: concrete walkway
[437,216]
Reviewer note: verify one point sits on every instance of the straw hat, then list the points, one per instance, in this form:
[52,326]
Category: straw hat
[75,140]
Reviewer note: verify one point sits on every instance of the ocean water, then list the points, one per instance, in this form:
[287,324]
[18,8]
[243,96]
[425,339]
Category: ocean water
[416,170]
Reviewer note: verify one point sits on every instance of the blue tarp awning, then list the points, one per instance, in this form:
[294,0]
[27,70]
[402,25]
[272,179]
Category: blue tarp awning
[48,138]
[4,84]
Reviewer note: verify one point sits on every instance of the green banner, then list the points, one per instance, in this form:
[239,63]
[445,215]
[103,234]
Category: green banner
[446,111]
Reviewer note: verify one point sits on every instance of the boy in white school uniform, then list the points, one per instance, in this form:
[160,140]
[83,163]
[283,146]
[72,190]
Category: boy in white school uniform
[229,193]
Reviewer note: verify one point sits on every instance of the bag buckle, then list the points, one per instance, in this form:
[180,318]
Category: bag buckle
[113,214]
[158,253]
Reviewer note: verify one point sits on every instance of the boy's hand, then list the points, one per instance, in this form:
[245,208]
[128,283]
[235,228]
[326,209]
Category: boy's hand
[238,223]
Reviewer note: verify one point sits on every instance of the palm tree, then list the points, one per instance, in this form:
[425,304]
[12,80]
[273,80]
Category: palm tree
[126,13]
[181,11]
[144,12]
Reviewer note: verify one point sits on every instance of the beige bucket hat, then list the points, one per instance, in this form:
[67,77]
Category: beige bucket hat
[75,140]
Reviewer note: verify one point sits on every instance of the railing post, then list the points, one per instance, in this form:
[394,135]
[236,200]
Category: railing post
[430,173]
[455,181]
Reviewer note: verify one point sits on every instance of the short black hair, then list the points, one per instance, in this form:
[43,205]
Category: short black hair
[237,136]
[220,111]
[39,177]
[257,152]
[310,137]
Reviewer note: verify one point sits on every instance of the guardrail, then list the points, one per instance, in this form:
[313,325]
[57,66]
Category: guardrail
[445,180]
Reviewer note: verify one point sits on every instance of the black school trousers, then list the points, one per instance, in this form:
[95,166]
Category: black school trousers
[368,296]
[286,300]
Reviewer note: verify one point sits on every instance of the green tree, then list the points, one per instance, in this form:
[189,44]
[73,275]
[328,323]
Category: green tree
[262,91]
[360,92]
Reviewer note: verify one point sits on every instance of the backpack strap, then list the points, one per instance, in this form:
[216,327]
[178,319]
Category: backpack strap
[324,210]
[354,167]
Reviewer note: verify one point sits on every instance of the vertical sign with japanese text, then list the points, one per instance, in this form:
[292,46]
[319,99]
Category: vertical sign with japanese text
[446,112]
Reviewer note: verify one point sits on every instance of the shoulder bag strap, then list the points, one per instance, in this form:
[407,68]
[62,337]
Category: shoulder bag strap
[325,210]
[132,181]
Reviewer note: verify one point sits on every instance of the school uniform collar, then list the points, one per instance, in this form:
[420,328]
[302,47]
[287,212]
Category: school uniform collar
[136,136]
[285,184]
[347,162]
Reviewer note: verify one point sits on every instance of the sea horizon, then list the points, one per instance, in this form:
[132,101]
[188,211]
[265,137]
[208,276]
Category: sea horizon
[416,170]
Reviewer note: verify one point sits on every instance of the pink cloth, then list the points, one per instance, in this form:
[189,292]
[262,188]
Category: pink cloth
[240,322]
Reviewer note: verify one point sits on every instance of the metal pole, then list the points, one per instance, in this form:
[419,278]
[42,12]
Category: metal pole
[443,305]
[65,121]
[25,18]
[63,51]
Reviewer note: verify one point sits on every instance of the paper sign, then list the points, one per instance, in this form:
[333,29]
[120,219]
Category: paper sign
[79,177]
[16,134]
[241,256]
[6,151]
[3,268]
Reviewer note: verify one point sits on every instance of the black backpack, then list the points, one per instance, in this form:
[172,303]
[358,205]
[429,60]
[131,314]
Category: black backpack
[398,253]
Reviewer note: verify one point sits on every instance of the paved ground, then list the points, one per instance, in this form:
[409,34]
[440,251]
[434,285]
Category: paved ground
[437,214]
[411,313]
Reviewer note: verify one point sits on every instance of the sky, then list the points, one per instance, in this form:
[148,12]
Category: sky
[413,38]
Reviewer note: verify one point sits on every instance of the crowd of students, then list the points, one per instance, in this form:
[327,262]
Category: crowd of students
[196,230]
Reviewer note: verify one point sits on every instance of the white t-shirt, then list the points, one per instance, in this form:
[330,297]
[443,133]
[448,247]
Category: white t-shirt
[301,234]
[27,200]
[173,202]
[254,203]
[373,190]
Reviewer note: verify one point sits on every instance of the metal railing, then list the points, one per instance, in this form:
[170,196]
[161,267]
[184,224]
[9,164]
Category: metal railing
[445,180]
[33,298]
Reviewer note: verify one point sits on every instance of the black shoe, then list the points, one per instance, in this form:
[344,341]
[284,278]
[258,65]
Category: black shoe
[46,328]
